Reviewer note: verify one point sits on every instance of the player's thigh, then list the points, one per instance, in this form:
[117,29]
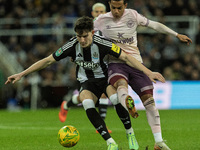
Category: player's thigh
[140,83]
[110,90]
[86,94]
[118,74]
[96,87]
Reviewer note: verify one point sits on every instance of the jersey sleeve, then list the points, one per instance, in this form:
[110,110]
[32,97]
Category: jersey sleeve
[59,54]
[141,20]
[107,47]
[65,51]
[97,23]
[115,50]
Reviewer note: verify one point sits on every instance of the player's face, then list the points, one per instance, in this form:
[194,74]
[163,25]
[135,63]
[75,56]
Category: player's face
[85,39]
[98,11]
[117,8]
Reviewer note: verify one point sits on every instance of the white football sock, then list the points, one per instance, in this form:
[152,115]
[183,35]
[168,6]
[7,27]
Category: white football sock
[158,137]
[128,131]
[103,101]
[122,92]
[65,106]
[110,140]
[75,99]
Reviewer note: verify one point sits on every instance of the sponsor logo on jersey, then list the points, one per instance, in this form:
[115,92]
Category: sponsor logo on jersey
[115,48]
[124,41]
[89,65]
[120,35]
[59,52]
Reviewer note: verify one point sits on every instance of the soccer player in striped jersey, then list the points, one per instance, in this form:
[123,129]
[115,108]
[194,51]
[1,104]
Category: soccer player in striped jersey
[88,52]
[97,9]
[120,26]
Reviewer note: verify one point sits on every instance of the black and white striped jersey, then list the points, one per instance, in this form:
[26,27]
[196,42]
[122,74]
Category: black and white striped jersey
[90,61]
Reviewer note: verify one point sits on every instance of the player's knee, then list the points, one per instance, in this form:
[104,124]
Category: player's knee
[121,83]
[149,103]
[152,112]
[150,106]
[145,98]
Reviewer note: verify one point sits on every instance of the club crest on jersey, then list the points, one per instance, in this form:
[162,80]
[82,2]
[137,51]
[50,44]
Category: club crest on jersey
[59,52]
[130,23]
[95,55]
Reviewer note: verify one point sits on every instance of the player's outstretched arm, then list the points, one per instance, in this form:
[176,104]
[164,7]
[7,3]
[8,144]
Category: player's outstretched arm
[159,27]
[131,61]
[35,67]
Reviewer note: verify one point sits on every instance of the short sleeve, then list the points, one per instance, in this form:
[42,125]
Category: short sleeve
[141,20]
[97,23]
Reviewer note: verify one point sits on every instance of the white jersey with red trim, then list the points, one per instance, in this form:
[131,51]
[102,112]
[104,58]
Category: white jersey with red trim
[122,31]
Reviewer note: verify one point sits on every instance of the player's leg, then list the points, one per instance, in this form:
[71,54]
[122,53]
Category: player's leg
[153,118]
[103,104]
[124,117]
[118,77]
[89,95]
[143,86]
[66,104]
[95,118]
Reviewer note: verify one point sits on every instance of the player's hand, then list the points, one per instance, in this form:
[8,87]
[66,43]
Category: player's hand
[14,78]
[184,39]
[156,76]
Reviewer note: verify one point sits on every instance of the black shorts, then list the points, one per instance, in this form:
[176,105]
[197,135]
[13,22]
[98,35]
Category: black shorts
[96,86]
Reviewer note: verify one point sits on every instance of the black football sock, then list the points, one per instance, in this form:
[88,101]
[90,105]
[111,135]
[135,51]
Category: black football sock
[98,122]
[123,115]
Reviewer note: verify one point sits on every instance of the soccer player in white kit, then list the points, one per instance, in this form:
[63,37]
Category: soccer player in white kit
[120,25]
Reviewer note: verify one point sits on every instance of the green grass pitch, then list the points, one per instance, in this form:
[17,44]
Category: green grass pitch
[37,130]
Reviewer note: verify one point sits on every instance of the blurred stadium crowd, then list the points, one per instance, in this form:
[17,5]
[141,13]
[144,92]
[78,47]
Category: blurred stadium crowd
[162,53]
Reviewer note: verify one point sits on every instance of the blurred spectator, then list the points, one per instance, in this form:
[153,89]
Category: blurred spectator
[193,8]
[198,37]
[27,43]
[170,51]
[19,53]
[178,6]
[195,75]
[168,74]
[187,72]
[177,68]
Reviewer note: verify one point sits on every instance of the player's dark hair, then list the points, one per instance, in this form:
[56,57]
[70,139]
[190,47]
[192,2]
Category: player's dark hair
[84,24]
[125,1]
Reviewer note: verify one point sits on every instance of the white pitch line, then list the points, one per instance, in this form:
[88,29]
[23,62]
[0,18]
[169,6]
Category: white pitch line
[28,128]
[3,127]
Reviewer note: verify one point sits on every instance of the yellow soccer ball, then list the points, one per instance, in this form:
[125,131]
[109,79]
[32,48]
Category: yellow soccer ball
[68,136]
